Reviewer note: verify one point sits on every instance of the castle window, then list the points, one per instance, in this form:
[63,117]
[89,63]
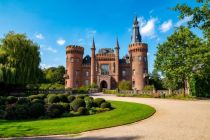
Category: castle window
[77,73]
[140,58]
[72,59]
[133,72]
[104,69]
[133,83]
[87,73]
[123,73]
[86,82]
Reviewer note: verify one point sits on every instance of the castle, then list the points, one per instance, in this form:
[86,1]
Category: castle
[105,68]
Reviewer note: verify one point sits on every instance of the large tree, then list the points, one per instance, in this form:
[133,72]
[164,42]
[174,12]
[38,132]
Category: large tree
[182,55]
[19,60]
[200,15]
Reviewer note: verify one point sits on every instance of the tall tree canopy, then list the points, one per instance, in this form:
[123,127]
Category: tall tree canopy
[200,15]
[19,60]
[182,55]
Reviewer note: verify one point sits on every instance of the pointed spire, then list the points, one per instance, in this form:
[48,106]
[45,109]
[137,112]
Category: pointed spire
[117,44]
[93,44]
[135,21]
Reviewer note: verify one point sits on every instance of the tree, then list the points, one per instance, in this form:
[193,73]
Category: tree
[125,85]
[54,74]
[19,60]
[155,79]
[182,55]
[200,15]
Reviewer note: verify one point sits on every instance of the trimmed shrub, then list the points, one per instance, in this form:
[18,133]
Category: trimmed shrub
[65,106]
[82,111]
[80,96]
[77,103]
[149,87]
[37,101]
[10,112]
[52,98]
[2,114]
[23,101]
[37,109]
[2,100]
[31,97]
[89,102]
[54,110]
[98,101]
[41,96]
[62,98]
[71,98]
[125,85]
[105,105]
[11,100]
[22,111]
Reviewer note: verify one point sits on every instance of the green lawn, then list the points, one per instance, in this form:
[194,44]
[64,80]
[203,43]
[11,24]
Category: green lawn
[124,113]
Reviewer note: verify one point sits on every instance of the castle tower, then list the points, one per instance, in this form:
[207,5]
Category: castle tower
[93,64]
[138,53]
[74,58]
[117,48]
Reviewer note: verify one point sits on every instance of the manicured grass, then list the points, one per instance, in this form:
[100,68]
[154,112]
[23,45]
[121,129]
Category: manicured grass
[123,113]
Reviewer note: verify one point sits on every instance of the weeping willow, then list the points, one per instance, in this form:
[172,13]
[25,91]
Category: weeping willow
[19,59]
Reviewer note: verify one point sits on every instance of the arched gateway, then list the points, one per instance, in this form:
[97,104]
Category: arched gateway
[103,84]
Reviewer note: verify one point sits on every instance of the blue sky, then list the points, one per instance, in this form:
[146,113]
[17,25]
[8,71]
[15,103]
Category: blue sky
[54,24]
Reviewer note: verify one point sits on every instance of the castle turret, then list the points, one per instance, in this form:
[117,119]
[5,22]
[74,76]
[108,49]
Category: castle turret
[74,58]
[117,48]
[93,64]
[138,53]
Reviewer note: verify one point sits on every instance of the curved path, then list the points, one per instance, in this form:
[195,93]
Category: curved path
[173,120]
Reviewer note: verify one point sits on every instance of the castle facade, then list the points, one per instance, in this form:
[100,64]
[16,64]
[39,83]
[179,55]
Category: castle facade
[105,68]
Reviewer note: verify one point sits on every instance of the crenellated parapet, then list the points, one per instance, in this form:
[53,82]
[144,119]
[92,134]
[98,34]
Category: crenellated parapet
[74,49]
[138,47]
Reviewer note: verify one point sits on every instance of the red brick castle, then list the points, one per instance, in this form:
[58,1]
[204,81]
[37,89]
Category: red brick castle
[105,68]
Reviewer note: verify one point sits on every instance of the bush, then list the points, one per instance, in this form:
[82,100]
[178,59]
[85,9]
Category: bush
[77,103]
[41,96]
[55,110]
[21,111]
[71,98]
[65,106]
[11,100]
[82,111]
[110,91]
[37,101]
[149,87]
[125,85]
[2,100]
[62,98]
[52,98]
[98,101]
[80,96]
[105,105]
[37,109]
[89,102]
[23,101]
[10,112]
[38,96]
[2,114]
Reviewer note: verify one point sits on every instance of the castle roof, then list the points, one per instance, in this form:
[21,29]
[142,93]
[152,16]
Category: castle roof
[106,51]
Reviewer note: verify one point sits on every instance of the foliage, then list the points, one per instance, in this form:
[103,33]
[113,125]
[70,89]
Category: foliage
[2,100]
[149,87]
[125,85]
[36,109]
[62,98]
[89,102]
[55,110]
[199,15]
[82,111]
[107,91]
[52,98]
[19,60]
[182,55]
[98,101]
[23,100]
[155,79]
[11,100]
[77,103]
[46,86]
[105,105]
[71,98]
[37,101]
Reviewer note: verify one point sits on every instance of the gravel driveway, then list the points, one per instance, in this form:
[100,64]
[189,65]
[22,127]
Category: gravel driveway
[173,120]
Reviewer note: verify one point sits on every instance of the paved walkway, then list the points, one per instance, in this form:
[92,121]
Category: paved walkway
[174,120]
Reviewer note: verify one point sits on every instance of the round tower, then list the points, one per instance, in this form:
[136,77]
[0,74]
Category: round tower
[74,58]
[138,53]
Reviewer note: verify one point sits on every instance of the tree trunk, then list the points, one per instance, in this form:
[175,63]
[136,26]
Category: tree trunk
[169,91]
[184,88]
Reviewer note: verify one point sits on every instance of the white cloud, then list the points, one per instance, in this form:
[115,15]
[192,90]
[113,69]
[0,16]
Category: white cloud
[61,41]
[183,21]
[129,29]
[45,66]
[166,26]
[48,48]
[147,28]
[39,36]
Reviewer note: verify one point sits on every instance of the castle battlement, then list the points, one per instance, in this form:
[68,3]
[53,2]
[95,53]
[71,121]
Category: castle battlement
[74,49]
